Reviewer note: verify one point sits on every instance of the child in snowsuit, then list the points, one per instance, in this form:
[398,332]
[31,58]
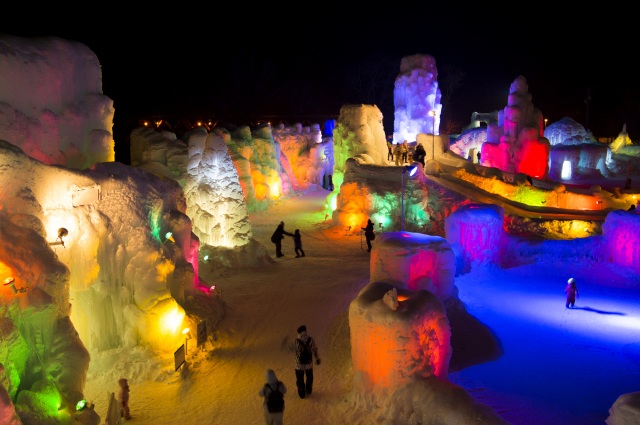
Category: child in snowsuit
[572,293]
[297,242]
[123,395]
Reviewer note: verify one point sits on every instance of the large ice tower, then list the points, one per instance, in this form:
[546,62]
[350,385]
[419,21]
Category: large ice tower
[417,98]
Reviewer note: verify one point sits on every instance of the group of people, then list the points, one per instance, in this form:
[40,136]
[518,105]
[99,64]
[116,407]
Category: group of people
[401,153]
[306,350]
[278,236]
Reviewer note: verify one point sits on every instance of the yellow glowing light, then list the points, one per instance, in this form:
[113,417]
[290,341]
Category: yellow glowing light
[275,190]
[171,320]
[185,331]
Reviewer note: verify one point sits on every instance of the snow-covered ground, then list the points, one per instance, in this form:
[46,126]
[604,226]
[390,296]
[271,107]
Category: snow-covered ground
[545,365]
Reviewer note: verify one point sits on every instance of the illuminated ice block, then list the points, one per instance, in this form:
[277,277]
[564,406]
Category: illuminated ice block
[414,261]
[389,346]
[478,230]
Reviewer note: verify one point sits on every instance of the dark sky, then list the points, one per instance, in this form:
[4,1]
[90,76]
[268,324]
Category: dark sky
[297,66]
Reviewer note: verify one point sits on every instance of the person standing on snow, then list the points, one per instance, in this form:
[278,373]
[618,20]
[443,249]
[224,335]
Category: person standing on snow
[405,151]
[397,152]
[368,234]
[123,396]
[420,154]
[297,243]
[572,293]
[277,237]
[305,349]
[272,384]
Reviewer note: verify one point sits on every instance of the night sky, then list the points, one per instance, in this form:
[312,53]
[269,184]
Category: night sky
[290,66]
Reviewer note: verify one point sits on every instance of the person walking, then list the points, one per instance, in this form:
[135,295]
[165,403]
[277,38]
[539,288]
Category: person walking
[305,349]
[277,237]
[123,396]
[572,293]
[297,243]
[270,388]
[405,151]
[368,234]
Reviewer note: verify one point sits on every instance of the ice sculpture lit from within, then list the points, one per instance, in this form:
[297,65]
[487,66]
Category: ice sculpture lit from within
[566,170]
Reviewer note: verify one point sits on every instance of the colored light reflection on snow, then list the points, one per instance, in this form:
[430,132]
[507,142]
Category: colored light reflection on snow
[548,310]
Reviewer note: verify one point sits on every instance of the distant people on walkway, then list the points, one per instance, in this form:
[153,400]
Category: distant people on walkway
[572,293]
[305,349]
[277,237]
[297,243]
[271,387]
[390,148]
[479,155]
[420,154]
[398,153]
[123,396]
[369,234]
[405,151]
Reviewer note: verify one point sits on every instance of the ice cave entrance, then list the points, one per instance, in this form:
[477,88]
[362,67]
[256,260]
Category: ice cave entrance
[566,170]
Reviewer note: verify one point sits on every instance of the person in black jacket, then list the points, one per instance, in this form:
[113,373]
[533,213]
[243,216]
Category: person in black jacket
[420,154]
[297,243]
[277,237]
[368,233]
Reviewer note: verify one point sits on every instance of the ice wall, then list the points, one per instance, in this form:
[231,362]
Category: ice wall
[621,231]
[51,101]
[359,134]
[215,202]
[125,278]
[308,153]
[416,98]
[476,230]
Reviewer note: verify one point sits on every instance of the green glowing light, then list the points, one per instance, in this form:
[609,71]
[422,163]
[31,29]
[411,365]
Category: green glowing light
[81,405]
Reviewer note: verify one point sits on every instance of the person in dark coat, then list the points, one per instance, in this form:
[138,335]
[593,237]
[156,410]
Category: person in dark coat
[297,243]
[368,233]
[123,395]
[272,418]
[420,154]
[572,293]
[277,237]
[304,370]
